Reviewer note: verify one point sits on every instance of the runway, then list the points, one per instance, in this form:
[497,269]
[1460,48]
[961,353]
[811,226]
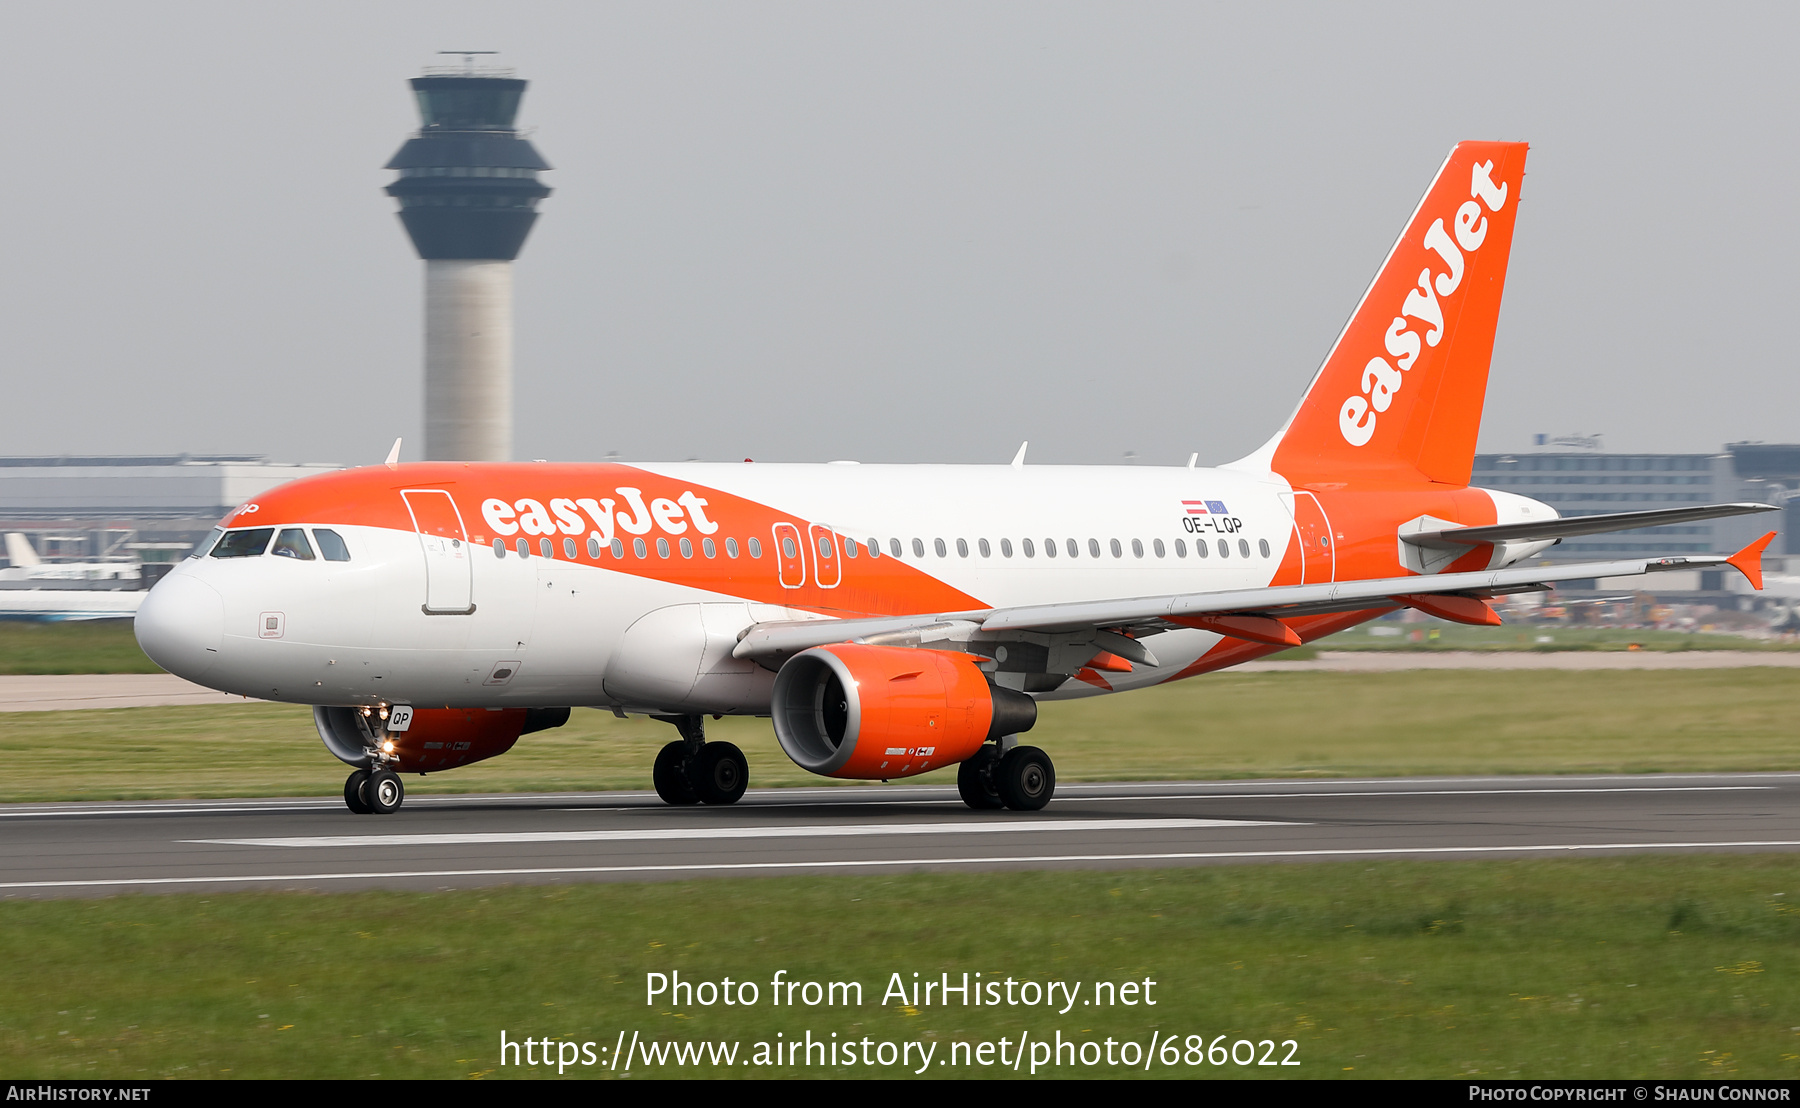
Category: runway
[101,849]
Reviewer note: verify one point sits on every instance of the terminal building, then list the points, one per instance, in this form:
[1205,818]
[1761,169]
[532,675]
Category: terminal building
[131,508]
[1587,481]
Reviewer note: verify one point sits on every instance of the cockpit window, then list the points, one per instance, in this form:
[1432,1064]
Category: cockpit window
[331,544]
[291,543]
[243,544]
[206,544]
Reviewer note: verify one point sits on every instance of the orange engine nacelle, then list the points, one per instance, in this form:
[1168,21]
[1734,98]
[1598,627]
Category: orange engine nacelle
[438,738]
[871,712]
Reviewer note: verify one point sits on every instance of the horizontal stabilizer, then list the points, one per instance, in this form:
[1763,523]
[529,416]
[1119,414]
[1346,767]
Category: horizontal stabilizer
[1580,525]
[1748,561]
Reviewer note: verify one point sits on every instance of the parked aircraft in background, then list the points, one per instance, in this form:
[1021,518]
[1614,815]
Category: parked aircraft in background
[892,620]
[25,565]
[37,591]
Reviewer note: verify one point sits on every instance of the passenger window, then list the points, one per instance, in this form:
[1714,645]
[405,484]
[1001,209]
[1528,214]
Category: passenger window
[755,547]
[986,550]
[918,548]
[708,548]
[594,547]
[1262,545]
[787,548]
[1161,550]
[569,549]
[1075,549]
[1224,549]
[662,548]
[1201,548]
[206,544]
[874,548]
[1244,547]
[331,544]
[1026,543]
[243,544]
[731,550]
[894,547]
[1093,548]
[687,548]
[849,548]
[824,546]
[938,544]
[638,548]
[1006,547]
[1137,548]
[618,549]
[499,548]
[546,549]
[1050,548]
[1119,551]
[291,543]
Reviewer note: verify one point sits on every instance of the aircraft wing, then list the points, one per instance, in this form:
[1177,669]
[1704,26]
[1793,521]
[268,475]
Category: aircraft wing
[1571,526]
[1244,613]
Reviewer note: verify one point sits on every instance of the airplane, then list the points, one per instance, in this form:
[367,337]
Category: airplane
[29,590]
[25,565]
[891,620]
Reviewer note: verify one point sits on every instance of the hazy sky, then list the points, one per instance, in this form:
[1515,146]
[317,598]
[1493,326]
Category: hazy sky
[893,232]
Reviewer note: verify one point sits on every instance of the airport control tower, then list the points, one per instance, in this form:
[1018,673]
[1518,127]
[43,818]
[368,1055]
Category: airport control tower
[468,191]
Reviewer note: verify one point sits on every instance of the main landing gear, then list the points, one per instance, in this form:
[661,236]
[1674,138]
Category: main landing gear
[1022,778]
[373,793]
[691,770]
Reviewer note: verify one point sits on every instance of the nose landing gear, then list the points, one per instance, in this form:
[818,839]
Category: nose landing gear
[691,770]
[361,737]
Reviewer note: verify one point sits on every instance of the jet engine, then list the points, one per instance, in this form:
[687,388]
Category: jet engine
[876,712]
[438,738]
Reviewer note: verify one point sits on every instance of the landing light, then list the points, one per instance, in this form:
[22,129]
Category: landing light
[387,747]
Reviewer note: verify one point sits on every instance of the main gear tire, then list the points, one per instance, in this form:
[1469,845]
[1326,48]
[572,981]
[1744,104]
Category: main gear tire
[1025,779]
[975,780]
[720,774]
[669,775]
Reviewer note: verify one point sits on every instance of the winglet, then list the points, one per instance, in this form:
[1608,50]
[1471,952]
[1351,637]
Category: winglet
[1748,561]
[1018,461]
[393,458]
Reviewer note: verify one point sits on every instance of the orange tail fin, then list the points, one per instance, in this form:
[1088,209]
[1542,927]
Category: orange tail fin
[1399,397]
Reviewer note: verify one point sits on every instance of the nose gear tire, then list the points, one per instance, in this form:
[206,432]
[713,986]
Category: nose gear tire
[354,797]
[384,792]
[1025,779]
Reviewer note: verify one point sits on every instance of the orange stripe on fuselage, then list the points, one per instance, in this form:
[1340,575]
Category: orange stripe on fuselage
[370,497]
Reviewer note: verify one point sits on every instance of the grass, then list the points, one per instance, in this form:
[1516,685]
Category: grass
[1225,725]
[77,646]
[1671,967]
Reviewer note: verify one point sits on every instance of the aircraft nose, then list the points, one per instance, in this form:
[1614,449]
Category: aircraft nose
[181,626]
